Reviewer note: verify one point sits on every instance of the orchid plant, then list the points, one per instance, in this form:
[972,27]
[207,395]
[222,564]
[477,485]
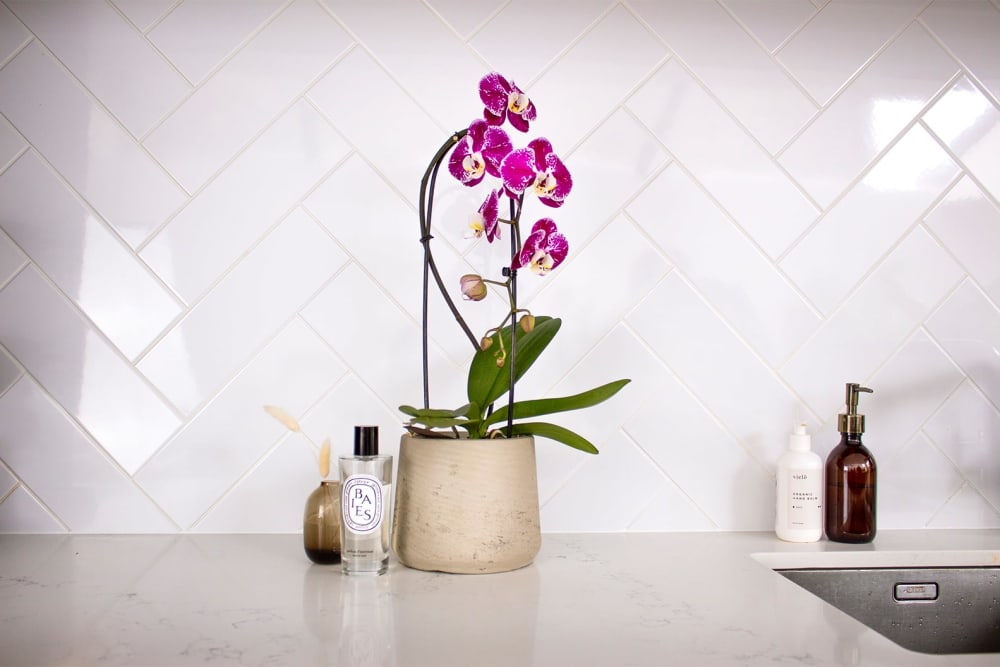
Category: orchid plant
[484,155]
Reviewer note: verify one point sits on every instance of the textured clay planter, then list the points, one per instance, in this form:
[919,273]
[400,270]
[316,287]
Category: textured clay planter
[466,506]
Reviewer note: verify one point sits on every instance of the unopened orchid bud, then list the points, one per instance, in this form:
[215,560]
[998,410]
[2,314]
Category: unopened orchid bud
[486,343]
[473,287]
[527,322]
[501,361]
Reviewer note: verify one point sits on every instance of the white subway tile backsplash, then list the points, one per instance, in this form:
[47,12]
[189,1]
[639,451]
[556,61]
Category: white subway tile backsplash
[821,59]
[11,144]
[917,380]
[723,158]
[208,206]
[81,370]
[108,56]
[879,317]
[609,168]
[251,90]
[228,217]
[703,35]
[969,124]
[198,35]
[777,320]
[914,484]
[11,258]
[226,439]
[869,114]
[9,372]
[271,499]
[398,151]
[972,32]
[549,31]
[69,474]
[466,17]
[968,223]
[966,509]
[83,257]
[220,334]
[412,57]
[967,326]
[348,404]
[672,511]
[967,429]
[86,145]
[843,246]
[772,22]
[381,341]
[143,13]
[638,267]
[718,368]
[698,454]
[13,34]
[21,513]
[569,111]
[608,492]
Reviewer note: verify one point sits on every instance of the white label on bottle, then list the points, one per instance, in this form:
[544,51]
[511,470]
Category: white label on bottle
[362,502]
[804,491]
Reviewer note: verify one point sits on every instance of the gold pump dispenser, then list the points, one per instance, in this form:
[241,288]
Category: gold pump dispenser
[852,422]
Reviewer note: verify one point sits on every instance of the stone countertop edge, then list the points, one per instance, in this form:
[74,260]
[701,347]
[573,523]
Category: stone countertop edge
[707,598]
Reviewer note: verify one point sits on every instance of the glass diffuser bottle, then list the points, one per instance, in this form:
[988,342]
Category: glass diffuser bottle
[366,502]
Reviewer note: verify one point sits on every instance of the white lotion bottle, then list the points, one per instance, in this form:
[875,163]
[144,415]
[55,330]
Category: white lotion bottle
[799,516]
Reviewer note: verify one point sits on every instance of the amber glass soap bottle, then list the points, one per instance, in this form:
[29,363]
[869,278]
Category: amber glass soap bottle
[850,478]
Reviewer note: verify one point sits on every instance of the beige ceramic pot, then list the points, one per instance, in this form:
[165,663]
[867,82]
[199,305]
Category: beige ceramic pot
[466,506]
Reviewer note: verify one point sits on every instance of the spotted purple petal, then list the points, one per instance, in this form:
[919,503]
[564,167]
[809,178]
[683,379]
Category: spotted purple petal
[543,250]
[493,91]
[467,163]
[518,170]
[490,211]
[496,146]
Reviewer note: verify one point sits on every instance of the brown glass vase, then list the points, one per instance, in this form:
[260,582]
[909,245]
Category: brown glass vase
[321,524]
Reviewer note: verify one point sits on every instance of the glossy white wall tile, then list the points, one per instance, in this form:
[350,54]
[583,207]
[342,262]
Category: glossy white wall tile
[207,206]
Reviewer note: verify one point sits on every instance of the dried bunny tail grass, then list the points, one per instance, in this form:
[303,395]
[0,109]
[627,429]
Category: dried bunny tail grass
[324,458]
[283,417]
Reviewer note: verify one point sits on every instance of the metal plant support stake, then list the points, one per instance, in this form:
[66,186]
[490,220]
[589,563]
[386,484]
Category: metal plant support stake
[427,185]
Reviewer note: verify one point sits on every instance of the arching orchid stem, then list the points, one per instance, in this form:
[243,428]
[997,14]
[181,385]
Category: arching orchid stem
[427,184]
[515,215]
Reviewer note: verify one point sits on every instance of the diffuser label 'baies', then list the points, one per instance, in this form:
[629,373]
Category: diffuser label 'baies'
[362,499]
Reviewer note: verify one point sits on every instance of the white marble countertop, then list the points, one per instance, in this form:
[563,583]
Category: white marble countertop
[589,599]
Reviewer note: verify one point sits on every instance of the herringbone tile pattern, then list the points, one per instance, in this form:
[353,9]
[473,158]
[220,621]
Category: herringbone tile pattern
[209,206]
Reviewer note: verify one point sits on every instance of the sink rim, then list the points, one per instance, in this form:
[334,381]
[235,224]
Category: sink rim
[867,557]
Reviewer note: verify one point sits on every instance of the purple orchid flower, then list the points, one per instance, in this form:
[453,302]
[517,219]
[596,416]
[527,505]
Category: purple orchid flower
[486,220]
[536,166]
[478,153]
[543,250]
[505,101]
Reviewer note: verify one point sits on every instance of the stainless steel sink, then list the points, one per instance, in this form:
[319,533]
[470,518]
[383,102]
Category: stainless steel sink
[926,609]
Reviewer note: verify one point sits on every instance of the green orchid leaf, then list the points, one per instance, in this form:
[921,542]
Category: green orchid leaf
[547,406]
[441,422]
[487,381]
[557,433]
[434,412]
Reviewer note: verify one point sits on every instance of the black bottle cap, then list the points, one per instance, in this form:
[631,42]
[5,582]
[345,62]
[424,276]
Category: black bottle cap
[366,440]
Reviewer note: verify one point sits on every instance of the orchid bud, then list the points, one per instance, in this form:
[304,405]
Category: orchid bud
[486,343]
[501,361]
[527,322]
[473,287]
